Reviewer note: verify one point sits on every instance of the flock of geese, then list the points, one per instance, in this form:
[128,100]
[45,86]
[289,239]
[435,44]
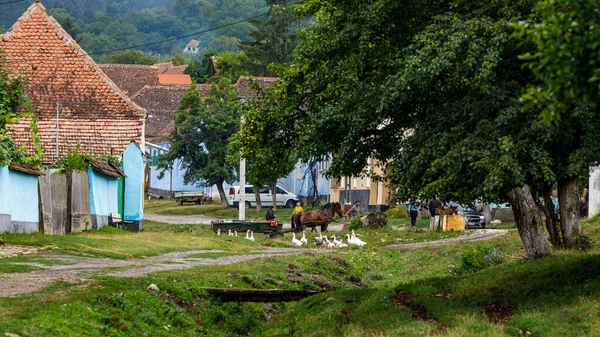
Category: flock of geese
[249,234]
[319,241]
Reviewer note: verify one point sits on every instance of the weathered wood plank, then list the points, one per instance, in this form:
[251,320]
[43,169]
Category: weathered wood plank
[259,295]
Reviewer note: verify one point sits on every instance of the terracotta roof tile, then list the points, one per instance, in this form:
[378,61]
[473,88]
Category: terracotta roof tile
[174,79]
[193,44]
[176,69]
[131,78]
[93,110]
[161,102]
[244,84]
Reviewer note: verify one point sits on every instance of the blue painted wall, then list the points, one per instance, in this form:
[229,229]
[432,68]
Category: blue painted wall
[103,194]
[133,166]
[164,183]
[18,201]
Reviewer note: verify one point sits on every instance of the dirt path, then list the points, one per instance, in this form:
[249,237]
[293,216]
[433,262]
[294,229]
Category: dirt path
[73,269]
[78,269]
[478,235]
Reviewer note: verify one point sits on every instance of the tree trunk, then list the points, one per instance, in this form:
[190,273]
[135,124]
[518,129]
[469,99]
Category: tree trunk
[316,198]
[552,221]
[274,194]
[568,201]
[487,213]
[257,198]
[546,206]
[221,190]
[529,223]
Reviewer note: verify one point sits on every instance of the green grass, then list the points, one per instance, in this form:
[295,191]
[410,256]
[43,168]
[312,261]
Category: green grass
[555,296]
[119,244]
[20,263]
[217,211]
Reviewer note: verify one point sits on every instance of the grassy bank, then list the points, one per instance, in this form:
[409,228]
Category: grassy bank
[119,244]
[373,291]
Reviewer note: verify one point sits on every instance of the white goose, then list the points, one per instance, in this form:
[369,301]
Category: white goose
[296,242]
[303,240]
[229,233]
[235,233]
[336,241]
[247,235]
[251,238]
[342,244]
[219,231]
[329,243]
[353,240]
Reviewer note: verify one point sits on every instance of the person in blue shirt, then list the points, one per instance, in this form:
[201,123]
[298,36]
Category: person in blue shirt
[413,209]
[554,198]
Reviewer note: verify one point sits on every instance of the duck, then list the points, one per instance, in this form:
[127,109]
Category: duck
[219,231]
[251,238]
[303,240]
[296,242]
[229,233]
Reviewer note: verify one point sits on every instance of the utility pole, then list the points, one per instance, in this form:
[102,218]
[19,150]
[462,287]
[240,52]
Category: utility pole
[57,116]
[242,205]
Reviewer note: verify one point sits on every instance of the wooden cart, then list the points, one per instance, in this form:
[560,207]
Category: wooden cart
[246,225]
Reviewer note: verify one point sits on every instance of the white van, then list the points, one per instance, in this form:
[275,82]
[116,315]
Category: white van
[284,198]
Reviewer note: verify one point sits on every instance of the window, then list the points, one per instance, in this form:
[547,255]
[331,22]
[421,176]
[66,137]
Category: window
[249,190]
[280,190]
[264,190]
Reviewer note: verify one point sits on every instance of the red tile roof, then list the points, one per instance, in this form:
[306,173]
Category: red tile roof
[176,69]
[131,78]
[174,79]
[161,102]
[193,44]
[93,110]
[244,84]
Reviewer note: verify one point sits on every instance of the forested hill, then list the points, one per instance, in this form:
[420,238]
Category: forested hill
[100,25]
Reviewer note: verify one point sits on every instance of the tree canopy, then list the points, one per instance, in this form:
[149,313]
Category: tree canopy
[203,131]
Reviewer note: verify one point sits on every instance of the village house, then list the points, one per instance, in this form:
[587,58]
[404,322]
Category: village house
[74,101]
[192,47]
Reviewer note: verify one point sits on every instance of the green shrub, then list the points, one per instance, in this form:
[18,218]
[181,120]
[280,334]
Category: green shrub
[478,258]
[582,243]
[355,223]
[396,212]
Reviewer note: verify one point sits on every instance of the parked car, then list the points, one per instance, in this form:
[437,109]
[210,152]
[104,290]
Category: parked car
[283,197]
[475,220]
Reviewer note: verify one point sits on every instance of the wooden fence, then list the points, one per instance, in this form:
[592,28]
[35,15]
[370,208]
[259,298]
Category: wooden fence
[64,202]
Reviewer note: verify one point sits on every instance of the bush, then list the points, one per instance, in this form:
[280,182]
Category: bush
[396,212]
[478,258]
[355,223]
[582,243]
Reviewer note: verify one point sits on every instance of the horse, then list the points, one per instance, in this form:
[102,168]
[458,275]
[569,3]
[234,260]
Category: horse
[315,218]
[446,211]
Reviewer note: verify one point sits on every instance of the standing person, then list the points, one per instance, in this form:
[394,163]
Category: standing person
[413,209]
[554,198]
[297,211]
[270,217]
[585,199]
[434,204]
[353,210]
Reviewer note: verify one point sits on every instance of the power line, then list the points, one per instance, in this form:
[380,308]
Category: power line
[177,37]
[10,2]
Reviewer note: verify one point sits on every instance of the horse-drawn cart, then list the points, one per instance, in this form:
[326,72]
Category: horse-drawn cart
[246,225]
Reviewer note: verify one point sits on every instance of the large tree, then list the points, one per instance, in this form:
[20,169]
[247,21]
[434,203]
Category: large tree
[435,89]
[203,131]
